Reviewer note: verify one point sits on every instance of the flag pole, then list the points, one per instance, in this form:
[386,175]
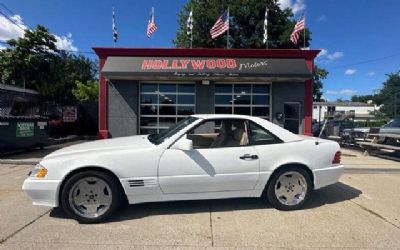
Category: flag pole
[304,31]
[191,40]
[227,37]
[151,36]
[266,28]
[113,13]
[191,30]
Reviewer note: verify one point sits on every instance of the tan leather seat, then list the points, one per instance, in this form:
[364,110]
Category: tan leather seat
[239,137]
[225,135]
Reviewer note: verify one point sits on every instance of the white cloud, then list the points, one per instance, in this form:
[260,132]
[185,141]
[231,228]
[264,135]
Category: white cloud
[335,55]
[325,57]
[65,42]
[350,71]
[346,92]
[322,53]
[10,30]
[295,5]
[321,18]
[371,73]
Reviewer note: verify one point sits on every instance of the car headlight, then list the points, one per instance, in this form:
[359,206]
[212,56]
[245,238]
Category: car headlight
[38,171]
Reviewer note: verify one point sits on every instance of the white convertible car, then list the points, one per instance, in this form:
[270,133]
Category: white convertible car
[201,157]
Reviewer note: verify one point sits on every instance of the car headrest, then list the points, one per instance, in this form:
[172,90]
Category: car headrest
[238,134]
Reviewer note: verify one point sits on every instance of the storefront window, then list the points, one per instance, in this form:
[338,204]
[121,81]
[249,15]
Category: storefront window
[164,104]
[243,99]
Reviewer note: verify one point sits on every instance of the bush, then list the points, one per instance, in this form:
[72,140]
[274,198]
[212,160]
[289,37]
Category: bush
[379,123]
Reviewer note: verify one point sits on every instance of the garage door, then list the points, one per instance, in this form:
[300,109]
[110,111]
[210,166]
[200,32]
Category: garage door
[164,104]
[243,99]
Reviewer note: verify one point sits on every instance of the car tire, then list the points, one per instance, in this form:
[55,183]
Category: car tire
[289,188]
[91,196]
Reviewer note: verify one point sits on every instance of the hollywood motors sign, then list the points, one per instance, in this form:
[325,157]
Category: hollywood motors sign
[189,64]
[204,67]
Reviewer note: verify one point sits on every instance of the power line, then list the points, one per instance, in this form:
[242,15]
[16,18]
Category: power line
[12,20]
[77,51]
[23,29]
[367,61]
[13,13]
[5,7]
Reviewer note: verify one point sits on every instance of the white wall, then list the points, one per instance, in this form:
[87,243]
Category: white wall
[359,110]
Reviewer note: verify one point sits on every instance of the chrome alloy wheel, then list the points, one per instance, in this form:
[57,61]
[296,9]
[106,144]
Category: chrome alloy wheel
[291,188]
[90,197]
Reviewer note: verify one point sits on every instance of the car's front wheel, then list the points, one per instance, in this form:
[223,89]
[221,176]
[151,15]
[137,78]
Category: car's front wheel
[90,196]
[289,188]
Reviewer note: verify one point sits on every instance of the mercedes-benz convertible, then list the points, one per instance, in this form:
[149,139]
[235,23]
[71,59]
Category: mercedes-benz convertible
[201,157]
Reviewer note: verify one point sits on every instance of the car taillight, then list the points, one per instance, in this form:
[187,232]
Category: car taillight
[337,158]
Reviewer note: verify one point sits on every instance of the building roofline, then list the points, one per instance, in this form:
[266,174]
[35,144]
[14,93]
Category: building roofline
[104,52]
[356,104]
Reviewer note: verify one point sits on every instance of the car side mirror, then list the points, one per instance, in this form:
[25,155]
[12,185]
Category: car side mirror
[185,144]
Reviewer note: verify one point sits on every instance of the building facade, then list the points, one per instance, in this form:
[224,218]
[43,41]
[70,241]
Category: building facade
[145,91]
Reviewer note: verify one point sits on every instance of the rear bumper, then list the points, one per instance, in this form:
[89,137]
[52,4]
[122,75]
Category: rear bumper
[327,176]
[42,192]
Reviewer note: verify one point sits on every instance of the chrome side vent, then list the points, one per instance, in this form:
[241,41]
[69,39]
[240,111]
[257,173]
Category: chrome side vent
[142,183]
[136,183]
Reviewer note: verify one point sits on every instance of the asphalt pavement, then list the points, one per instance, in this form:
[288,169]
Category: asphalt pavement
[361,211]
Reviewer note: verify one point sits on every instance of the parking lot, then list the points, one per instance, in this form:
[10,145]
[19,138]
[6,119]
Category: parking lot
[361,211]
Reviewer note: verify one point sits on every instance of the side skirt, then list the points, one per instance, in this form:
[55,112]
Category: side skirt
[193,196]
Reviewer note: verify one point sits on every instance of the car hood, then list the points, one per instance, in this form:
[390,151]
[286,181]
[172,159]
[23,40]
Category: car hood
[130,142]
[388,130]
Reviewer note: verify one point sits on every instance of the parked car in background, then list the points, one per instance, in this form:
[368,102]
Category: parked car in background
[201,157]
[392,127]
[350,136]
[332,127]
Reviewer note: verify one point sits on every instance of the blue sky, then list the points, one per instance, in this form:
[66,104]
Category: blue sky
[348,32]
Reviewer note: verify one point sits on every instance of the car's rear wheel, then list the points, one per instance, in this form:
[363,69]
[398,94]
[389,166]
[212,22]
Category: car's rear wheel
[289,188]
[91,196]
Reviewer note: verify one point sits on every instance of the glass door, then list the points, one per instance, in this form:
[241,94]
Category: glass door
[292,116]
[164,104]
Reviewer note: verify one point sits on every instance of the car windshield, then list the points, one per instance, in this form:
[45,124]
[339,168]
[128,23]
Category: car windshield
[395,123]
[161,137]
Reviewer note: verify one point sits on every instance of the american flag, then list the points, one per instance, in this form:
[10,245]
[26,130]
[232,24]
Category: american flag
[151,25]
[300,25]
[114,27]
[221,25]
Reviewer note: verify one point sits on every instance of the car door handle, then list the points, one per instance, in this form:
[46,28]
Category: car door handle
[249,156]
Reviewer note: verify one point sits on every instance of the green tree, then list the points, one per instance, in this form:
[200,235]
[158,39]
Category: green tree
[319,75]
[86,92]
[35,62]
[29,58]
[390,95]
[246,24]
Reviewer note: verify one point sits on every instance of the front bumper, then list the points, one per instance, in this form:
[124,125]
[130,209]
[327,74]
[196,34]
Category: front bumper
[42,192]
[327,176]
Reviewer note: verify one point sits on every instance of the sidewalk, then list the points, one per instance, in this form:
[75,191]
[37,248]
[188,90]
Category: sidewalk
[354,159]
